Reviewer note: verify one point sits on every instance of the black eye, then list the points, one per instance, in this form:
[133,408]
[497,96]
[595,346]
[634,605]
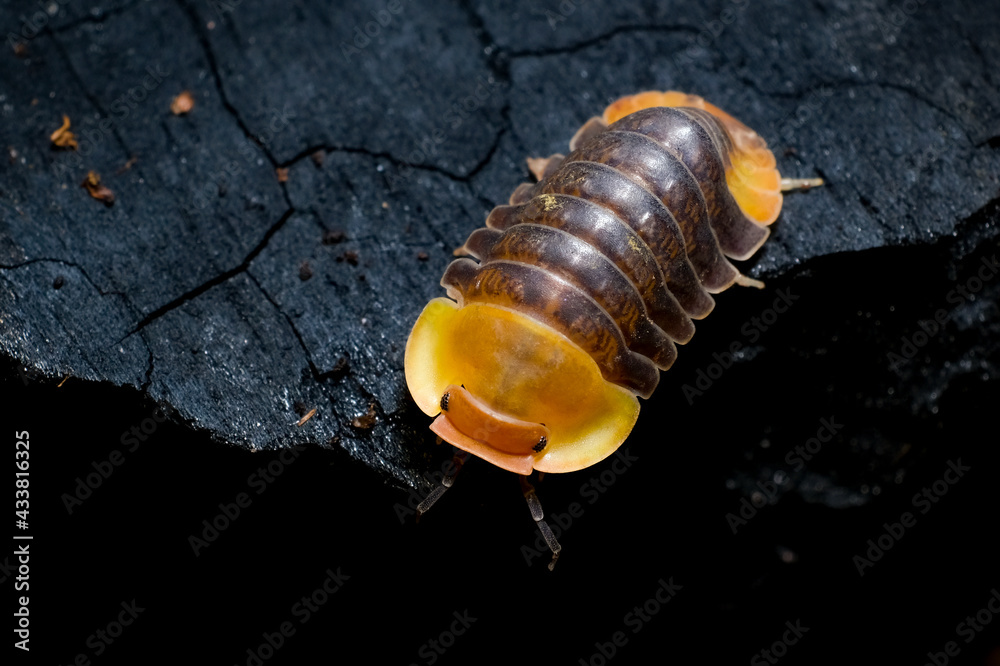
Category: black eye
[444,402]
[541,444]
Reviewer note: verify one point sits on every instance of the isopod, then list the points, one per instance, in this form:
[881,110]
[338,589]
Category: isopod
[578,291]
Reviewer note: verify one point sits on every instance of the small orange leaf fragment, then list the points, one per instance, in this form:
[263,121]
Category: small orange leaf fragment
[92,183]
[282,175]
[182,103]
[62,137]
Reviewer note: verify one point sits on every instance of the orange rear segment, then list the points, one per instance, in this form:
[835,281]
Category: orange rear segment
[751,174]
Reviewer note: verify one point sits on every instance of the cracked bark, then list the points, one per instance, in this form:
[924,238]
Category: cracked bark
[204,293]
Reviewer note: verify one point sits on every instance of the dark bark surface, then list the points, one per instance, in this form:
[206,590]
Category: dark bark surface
[208,285]
[238,300]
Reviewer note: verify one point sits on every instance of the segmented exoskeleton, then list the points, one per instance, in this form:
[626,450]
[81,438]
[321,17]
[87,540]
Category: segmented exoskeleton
[587,281]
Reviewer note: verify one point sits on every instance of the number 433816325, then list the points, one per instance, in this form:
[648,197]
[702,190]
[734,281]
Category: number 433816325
[21,448]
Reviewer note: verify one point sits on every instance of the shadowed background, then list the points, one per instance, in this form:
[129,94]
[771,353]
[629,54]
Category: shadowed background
[268,251]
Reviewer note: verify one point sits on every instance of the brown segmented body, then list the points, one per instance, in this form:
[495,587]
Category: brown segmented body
[620,244]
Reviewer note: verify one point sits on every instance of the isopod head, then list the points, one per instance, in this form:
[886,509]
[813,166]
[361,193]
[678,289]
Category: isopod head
[519,394]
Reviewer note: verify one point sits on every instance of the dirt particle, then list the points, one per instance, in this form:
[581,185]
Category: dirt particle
[128,165]
[62,137]
[182,104]
[366,420]
[92,183]
[332,237]
[305,271]
[58,282]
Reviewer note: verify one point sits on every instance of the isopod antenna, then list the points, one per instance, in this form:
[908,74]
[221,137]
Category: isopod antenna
[539,516]
[435,495]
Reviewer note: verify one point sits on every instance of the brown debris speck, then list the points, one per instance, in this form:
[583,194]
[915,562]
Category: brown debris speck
[128,165]
[62,137]
[351,257]
[92,183]
[340,365]
[21,50]
[423,256]
[282,175]
[367,420]
[333,237]
[305,271]
[318,158]
[311,413]
[385,205]
[182,104]
[58,282]
[59,385]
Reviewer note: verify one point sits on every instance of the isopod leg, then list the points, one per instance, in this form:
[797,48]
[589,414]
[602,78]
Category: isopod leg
[539,516]
[435,495]
[745,281]
[541,167]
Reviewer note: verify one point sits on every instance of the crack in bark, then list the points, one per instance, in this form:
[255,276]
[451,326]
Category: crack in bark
[120,294]
[96,19]
[215,281]
[600,39]
[318,376]
[89,96]
[213,66]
